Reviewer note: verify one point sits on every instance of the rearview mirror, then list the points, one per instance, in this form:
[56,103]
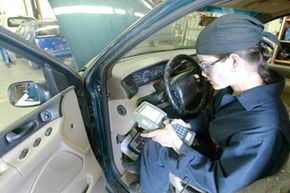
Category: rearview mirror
[26,94]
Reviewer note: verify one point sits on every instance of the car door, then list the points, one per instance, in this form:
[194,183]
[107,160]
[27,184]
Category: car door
[44,146]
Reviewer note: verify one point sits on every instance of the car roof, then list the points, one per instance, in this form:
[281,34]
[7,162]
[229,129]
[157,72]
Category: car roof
[269,10]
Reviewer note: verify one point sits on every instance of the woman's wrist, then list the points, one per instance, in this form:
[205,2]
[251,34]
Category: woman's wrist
[177,145]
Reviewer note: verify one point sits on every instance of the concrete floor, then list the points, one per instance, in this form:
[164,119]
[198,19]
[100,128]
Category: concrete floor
[19,71]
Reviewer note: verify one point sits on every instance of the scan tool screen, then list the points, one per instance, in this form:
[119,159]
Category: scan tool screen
[152,114]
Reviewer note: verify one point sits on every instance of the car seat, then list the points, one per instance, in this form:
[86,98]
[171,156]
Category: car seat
[277,183]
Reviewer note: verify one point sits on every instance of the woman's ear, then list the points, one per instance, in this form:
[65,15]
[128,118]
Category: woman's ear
[235,61]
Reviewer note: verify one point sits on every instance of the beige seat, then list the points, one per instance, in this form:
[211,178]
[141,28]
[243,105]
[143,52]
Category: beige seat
[278,183]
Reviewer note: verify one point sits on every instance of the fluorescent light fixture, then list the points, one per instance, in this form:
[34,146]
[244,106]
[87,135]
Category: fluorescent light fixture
[138,14]
[83,9]
[120,11]
[147,5]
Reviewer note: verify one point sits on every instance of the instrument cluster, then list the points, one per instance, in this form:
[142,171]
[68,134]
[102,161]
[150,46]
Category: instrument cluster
[142,77]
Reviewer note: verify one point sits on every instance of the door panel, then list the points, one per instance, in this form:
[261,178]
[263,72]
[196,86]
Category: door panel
[54,157]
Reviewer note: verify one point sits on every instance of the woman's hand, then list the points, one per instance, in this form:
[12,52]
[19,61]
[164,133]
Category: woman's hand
[167,136]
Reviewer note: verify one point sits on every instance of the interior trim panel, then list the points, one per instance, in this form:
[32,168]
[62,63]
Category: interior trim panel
[57,158]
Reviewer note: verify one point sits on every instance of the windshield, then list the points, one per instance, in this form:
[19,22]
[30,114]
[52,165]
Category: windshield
[178,35]
[181,34]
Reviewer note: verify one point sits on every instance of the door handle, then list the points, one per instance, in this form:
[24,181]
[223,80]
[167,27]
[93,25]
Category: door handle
[20,132]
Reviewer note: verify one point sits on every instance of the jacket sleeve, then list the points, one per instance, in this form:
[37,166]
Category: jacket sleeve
[243,161]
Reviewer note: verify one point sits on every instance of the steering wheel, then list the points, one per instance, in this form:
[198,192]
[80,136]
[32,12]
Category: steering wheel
[186,88]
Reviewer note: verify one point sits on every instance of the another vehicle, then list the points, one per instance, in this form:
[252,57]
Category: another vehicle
[71,141]
[45,34]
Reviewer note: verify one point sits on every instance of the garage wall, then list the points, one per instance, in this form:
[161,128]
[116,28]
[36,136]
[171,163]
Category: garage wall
[17,7]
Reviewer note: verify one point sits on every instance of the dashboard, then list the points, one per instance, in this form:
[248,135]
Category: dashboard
[130,76]
[133,81]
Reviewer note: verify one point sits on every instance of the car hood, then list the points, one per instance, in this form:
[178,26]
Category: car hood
[90,25]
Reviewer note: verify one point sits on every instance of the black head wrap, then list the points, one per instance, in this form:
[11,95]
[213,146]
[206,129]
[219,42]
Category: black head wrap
[230,33]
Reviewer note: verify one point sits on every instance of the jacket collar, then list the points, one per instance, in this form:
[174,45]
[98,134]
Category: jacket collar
[262,94]
[258,95]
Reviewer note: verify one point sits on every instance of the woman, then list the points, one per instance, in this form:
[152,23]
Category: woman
[247,121]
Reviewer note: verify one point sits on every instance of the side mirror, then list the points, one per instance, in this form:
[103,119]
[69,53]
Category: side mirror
[27,94]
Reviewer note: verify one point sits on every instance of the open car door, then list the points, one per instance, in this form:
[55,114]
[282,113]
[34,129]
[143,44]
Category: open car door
[44,146]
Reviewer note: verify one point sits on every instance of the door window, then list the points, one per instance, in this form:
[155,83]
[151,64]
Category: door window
[14,68]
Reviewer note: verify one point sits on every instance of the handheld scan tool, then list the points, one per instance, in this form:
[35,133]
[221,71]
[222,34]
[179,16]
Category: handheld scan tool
[150,117]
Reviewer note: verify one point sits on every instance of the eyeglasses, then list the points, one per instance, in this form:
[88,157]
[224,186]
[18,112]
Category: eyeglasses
[206,66]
